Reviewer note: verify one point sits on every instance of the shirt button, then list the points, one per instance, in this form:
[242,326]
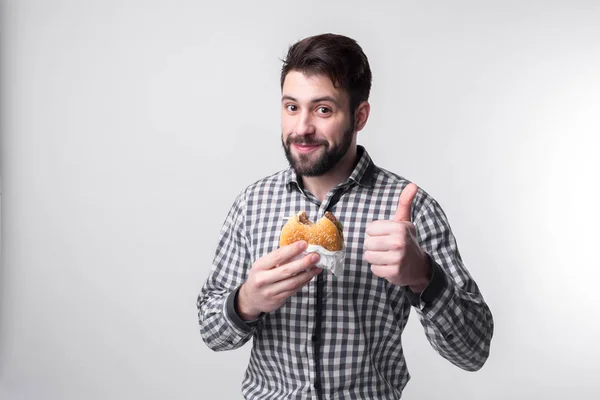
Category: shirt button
[313,338]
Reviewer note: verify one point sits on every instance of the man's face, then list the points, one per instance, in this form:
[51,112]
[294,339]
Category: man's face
[317,126]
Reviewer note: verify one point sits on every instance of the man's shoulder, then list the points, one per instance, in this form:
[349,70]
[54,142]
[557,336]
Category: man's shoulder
[391,182]
[267,184]
[384,177]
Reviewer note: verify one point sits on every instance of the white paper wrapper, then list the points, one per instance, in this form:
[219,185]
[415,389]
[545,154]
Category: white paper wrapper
[330,260]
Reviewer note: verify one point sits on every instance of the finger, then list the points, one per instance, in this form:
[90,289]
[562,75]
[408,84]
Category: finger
[382,243]
[384,227]
[404,203]
[292,268]
[281,255]
[393,258]
[291,286]
[383,271]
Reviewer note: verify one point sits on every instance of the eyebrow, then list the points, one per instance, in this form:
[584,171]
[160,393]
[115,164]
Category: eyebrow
[316,100]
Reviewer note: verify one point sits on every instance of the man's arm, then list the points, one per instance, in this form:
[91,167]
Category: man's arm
[220,326]
[454,315]
[419,253]
[237,294]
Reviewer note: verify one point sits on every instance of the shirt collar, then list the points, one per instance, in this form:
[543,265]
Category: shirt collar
[363,173]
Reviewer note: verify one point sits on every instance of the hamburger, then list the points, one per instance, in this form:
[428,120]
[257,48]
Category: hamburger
[326,232]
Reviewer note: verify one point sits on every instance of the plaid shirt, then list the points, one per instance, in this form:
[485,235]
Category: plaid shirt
[340,337]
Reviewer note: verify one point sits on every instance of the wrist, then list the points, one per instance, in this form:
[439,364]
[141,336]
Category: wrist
[425,278]
[243,309]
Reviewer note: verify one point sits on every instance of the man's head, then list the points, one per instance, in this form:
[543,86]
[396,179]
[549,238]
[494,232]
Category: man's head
[325,84]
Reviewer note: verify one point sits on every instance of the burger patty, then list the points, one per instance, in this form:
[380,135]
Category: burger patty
[303,219]
[333,219]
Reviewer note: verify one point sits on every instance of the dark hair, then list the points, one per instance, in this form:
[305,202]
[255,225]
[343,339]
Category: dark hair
[339,57]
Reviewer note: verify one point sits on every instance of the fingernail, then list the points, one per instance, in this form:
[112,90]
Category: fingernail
[302,244]
[315,257]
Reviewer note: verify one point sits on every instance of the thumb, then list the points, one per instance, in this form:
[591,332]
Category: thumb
[406,198]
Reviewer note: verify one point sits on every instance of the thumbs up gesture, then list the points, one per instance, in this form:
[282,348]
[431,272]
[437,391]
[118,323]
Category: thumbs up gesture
[392,248]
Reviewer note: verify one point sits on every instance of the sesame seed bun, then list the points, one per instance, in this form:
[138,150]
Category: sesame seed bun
[326,232]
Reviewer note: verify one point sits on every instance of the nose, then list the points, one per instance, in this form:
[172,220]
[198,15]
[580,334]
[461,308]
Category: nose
[304,123]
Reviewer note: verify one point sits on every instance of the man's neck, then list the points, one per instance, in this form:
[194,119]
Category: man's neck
[321,185]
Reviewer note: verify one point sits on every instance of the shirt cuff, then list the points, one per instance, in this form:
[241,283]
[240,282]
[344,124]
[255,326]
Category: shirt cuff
[245,326]
[436,286]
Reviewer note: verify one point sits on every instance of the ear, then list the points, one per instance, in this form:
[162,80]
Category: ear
[361,115]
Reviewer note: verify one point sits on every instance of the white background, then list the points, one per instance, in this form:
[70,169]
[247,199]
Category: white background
[129,126]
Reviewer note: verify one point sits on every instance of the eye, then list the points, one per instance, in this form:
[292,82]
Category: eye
[324,110]
[291,107]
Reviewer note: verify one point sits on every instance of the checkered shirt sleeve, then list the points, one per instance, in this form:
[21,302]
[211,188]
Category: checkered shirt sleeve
[457,322]
[230,264]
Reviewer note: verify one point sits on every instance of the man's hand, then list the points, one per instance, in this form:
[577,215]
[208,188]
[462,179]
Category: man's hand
[392,249]
[273,278]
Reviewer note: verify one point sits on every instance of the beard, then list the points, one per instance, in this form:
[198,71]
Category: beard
[321,160]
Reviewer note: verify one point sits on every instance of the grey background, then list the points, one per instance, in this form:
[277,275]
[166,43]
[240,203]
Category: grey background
[129,126]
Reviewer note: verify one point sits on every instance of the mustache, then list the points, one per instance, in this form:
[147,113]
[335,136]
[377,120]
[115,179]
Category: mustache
[305,141]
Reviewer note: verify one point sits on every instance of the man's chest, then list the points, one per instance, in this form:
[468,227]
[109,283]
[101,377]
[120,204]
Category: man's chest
[353,208]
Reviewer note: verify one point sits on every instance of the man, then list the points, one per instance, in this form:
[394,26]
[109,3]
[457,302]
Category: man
[322,336]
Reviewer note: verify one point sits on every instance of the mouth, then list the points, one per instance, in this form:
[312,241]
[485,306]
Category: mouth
[305,148]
